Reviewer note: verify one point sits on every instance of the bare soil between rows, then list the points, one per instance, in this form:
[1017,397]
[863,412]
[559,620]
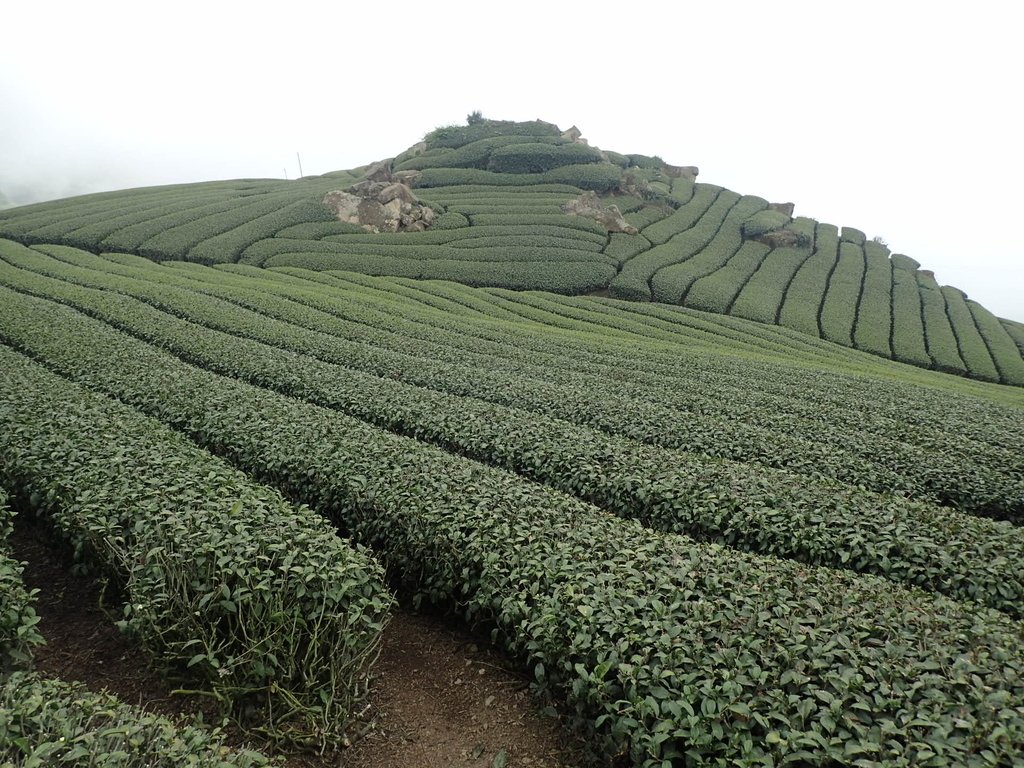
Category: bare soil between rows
[441,697]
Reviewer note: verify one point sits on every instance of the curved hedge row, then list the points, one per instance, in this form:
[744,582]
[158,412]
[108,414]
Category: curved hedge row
[670,324]
[17,221]
[218,222]
[684,217]
[966,478]
[89,236]
[514,242]
[839,304]
[455,136]
[174,218]
[647,215]
[567,277]
[874,312]
[473,207]
[595,176]
[717,291]
[852,235]
[973,350]
[177,242]
[550,269]
[662,648]
[281,628]
[763,222]
[586,238]
[18,620]
[635,281]
[315,230]
[1005,354]
[672,283]
[841,375]
[227,247]
[450,220]
[158,220]
[825,450]
[628,203]
[45,722]
[761,297]
[507,196]
[90,228]
[475,154]
[908,335]
[623,247]
[1015,331]
[938,332]
[682,190]
[765,511]
[538,158]
[267,251]
[549,219]
[471,191]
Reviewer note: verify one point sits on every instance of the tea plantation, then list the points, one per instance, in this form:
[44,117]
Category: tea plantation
[682,472]
[498,189]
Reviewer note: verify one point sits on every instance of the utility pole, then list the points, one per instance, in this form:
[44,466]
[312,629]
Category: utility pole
[286,174]
[300,164]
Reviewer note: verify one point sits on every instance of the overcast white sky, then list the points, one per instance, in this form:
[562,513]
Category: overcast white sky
[900,118]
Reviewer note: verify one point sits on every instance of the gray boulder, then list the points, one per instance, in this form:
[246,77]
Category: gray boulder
[786,208]
[680,171]
[589,206]
[380,204]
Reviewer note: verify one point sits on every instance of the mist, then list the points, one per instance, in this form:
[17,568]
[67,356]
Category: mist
[896,120]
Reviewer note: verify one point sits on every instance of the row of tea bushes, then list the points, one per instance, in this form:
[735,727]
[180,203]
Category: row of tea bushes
[665,649]
[279,628]
[752,508]
[44,721]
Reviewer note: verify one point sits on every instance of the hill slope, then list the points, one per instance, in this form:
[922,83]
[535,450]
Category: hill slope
[497,190]
[696,567]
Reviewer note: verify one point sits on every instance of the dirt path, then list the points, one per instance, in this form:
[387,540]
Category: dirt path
[441,698]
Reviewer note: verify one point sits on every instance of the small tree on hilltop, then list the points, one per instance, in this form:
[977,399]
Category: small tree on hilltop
[474,118]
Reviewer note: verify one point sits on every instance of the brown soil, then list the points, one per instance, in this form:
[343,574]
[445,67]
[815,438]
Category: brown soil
[441,698]
[444,700]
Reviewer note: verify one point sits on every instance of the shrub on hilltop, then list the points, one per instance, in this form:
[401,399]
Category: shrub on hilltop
[454,136]
[539,157]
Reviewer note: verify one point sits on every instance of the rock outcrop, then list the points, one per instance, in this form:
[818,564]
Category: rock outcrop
[380,202]
[680,171]
[786,208]
[589,206]
[634,185]
[574,134]
[782,238]
[378,171]
[407,177]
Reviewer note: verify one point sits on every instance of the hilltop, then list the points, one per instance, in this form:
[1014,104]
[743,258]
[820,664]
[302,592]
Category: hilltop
[527,206]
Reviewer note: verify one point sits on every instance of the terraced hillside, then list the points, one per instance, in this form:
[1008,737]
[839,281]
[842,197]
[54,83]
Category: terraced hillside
[687,528]
[657,438]
[497,191]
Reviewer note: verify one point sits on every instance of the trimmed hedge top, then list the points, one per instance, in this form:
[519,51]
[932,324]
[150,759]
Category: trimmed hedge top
[455,136]
[538,157]
[48,722]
